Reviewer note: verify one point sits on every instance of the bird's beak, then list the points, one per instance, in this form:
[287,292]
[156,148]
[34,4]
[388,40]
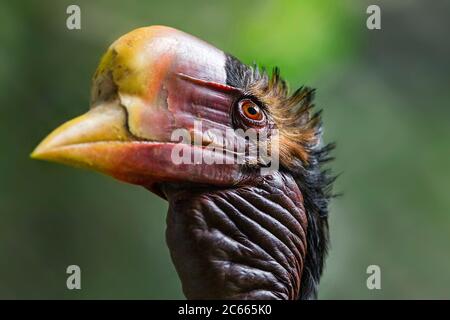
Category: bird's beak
[150,82]
[100,140]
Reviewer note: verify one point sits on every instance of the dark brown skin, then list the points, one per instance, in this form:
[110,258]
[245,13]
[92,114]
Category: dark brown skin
[245,242]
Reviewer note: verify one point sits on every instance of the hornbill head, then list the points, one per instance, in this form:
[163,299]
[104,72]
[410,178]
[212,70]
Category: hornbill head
[163,105]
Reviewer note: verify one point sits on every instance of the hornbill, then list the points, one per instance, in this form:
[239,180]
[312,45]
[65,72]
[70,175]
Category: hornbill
[232,232]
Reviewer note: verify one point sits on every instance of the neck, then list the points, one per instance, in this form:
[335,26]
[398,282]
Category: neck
[242,242]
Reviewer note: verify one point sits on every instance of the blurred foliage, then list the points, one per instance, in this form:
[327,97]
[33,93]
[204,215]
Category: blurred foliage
[385,99]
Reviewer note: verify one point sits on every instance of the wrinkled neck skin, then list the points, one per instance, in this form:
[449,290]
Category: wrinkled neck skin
[242,242]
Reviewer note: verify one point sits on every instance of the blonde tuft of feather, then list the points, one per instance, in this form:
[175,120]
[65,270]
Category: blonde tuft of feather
[299,126]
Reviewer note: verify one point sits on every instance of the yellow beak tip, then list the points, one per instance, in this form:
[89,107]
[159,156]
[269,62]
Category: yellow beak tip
[38,154]
[35,155]
[103,124]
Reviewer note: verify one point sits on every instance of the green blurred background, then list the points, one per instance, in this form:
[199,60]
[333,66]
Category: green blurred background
[385,96]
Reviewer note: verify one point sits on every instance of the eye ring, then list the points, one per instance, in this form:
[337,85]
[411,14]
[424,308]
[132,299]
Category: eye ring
[251,112]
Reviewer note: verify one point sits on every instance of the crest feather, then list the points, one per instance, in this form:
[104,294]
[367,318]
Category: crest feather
[299,127]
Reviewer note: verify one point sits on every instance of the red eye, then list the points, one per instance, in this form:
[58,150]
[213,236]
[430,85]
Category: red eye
[251,111]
